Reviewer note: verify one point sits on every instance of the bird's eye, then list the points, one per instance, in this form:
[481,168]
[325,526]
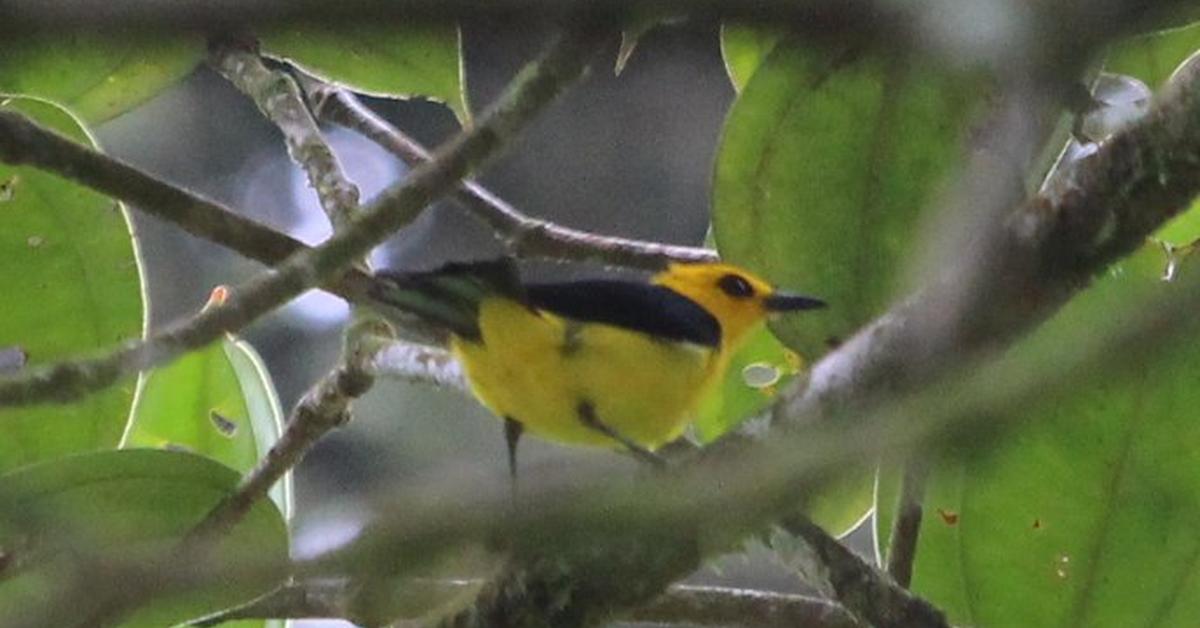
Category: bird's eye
[736,286]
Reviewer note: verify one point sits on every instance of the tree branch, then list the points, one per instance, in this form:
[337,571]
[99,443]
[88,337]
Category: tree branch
[536,86]
[522,235]
[866,592]
[680,604]
[279,99]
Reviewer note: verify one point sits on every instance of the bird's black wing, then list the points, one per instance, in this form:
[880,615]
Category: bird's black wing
[651,309]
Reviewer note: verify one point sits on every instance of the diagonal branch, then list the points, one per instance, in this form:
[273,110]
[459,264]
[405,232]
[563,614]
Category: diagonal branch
[279,99]
[24,142]
[523,236]
[534,87]
[866,592]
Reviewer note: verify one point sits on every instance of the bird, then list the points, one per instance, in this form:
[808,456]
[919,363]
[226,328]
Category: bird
[618,363]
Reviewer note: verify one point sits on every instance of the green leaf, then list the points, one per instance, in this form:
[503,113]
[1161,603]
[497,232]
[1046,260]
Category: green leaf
[218,402]
[1152,58]
[756,373]
[387,60]
[744,47]
[824,165]
[96,77]
[1085,515]
[128,505]
[70,268]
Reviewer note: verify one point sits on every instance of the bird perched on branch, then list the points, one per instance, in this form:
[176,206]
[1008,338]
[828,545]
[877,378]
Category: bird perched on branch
[607,362]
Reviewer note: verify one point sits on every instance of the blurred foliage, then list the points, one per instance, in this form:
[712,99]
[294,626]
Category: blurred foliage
[125,506]
[96,77]
[70,268]
[1085,515]
[385,60]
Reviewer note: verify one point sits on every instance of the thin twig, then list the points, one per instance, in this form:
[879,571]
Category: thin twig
[680,604]
[279,99]
[536,86]
[522,235]
[906,527]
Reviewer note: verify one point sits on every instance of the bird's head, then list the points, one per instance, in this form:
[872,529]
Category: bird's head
[737,298]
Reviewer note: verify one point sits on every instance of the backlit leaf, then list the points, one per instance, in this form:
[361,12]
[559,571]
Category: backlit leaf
[404,59]
[69,268]
[218,402]
[96,77]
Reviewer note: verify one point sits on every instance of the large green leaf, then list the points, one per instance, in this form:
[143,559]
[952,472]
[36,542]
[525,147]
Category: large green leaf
[1086,514]
[218,402]
[96,77]
[69,266]
[127,505]
[823,168]
[398,60]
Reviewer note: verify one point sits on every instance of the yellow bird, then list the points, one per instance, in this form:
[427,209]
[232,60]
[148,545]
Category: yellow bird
[607,362]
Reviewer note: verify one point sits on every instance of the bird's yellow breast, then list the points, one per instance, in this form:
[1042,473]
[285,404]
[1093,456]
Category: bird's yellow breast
[537,368]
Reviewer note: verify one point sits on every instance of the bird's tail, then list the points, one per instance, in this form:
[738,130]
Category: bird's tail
[449,296]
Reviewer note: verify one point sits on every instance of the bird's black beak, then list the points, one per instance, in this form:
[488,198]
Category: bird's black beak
[784,302]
